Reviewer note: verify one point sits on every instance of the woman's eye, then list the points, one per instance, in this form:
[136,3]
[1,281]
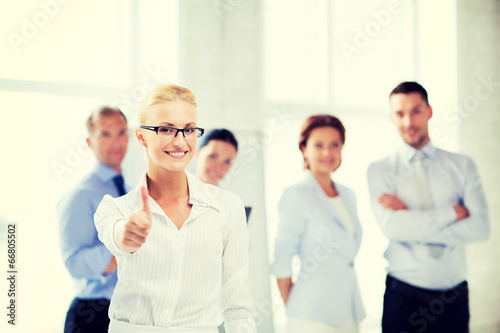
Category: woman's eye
[165,130]
[189,130]
[213,156]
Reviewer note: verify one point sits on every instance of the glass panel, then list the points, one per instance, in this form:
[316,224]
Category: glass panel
[295,51]
[91,43]
[158,44]
[371,51]
[84,42]
[26,41]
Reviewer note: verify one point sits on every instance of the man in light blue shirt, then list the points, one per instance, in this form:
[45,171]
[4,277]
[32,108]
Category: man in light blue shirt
[89,262]
[430,204]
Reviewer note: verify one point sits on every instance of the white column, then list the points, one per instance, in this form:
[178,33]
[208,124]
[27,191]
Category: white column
[478,31]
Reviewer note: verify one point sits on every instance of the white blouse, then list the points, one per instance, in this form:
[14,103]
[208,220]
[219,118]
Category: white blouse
[191,277]
[346,218]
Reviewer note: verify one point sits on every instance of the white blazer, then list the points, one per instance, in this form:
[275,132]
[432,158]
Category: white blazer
[326,289]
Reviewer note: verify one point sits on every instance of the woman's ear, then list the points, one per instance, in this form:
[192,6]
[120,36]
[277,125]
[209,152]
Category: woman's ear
[140,137]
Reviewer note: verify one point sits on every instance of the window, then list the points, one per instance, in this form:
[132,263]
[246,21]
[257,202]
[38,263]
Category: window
[295,51]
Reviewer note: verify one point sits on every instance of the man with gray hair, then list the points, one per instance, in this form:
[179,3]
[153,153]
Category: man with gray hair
[91,265]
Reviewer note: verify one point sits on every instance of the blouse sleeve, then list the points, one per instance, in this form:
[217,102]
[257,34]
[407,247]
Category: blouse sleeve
[105,218]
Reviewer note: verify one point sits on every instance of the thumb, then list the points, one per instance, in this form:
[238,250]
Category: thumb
[144,199]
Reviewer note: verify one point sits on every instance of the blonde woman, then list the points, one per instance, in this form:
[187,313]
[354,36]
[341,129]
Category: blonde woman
[181,245]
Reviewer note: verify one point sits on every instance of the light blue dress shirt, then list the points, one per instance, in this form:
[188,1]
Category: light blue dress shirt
[326,288]
[84,255]
[452,179]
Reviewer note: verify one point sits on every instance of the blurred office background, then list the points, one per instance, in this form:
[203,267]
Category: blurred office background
[259,68]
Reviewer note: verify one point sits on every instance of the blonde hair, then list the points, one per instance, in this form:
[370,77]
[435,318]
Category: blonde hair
[164,93]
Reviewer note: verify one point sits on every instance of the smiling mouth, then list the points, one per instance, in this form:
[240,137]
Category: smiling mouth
[176,154]
[214,175]
[411,131]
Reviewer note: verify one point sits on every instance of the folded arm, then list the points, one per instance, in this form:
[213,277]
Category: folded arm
[466,221]
[395,219]
[476,225]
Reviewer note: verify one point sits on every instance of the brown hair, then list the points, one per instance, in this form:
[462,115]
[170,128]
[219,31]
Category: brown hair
[105,111]
[315,121]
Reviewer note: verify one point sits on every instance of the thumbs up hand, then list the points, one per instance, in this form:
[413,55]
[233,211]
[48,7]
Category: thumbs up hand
[131,234]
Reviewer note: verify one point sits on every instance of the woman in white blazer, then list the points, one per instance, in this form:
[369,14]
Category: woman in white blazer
[319,224]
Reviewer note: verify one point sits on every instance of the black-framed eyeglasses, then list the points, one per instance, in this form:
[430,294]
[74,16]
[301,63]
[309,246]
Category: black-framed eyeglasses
[171,132]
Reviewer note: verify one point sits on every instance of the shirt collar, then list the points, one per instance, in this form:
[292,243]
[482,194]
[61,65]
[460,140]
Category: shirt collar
[407,152]
[200,194]
[104,173]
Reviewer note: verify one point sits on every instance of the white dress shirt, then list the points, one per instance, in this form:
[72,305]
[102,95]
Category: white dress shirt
[452,179]
[183,277]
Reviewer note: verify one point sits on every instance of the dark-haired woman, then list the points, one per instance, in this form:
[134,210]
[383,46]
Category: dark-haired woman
[215,155]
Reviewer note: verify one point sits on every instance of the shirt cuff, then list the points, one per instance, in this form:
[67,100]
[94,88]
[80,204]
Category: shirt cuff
[116,248]
[446,215]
